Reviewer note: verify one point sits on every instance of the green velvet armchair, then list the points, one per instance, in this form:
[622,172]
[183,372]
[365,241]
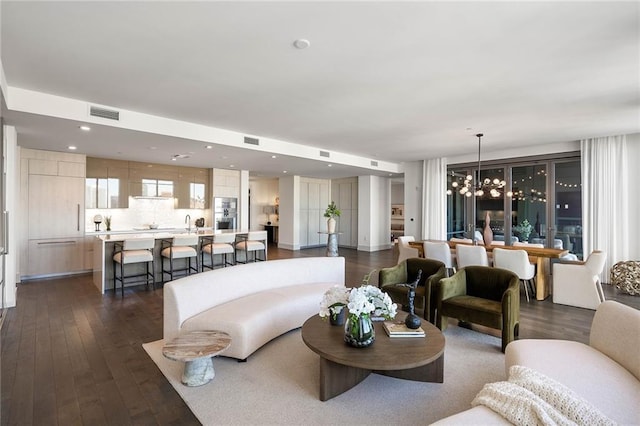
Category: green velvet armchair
[406,272]
[481,295]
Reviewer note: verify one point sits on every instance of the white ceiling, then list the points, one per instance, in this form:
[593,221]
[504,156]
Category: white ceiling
[388,81]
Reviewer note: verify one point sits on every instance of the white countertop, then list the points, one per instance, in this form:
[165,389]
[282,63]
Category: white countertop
[160,234]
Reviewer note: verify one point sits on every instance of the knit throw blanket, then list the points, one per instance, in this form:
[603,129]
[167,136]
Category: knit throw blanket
[531,398]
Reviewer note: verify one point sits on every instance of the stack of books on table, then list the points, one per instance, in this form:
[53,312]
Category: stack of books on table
[399,329]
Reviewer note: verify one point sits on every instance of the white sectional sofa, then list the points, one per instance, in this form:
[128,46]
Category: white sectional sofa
[254,303]
[606,373]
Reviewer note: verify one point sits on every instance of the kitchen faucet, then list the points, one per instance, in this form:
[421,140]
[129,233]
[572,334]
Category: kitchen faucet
[187,220]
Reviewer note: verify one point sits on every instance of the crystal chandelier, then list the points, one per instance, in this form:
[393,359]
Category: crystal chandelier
[493,187]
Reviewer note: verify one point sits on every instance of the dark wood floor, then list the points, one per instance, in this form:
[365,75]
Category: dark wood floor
[72,356]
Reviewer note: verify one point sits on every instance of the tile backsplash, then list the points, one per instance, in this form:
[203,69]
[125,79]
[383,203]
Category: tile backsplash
[142,212]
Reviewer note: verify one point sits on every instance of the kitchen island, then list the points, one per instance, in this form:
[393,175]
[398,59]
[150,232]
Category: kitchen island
[103,247]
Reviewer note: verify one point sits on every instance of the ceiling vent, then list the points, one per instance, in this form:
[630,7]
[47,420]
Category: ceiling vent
[325,154]
[374,163]
[104,113]
[251,141]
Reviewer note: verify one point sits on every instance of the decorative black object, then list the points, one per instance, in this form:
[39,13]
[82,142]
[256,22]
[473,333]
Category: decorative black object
[412,321]
[337,319]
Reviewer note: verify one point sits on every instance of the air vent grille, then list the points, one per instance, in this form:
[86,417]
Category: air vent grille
[325,154]
[251,141]
[374,163]
[104,113]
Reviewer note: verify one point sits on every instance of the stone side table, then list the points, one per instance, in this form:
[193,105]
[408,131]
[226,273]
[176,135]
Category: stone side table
[196,349]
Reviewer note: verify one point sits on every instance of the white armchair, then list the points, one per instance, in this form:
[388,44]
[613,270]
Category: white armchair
[578,283]
[405,251]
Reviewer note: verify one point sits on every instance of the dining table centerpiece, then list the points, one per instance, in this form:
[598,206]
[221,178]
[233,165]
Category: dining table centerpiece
[364,302]
[333,305]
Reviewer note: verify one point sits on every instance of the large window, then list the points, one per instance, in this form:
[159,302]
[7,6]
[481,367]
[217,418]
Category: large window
[102,193]
[535,201]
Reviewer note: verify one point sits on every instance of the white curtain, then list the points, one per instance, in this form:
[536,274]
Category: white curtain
[434,200]
[605,210]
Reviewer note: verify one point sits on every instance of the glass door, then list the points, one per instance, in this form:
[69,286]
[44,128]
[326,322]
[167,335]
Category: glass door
[567,232]
[529,204]
[490,204]
[458,196]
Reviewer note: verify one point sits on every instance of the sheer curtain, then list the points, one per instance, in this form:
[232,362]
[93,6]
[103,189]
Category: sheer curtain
[605,210]
[434,200]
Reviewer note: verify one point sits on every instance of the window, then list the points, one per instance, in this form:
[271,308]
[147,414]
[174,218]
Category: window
[540,203]
[197,197]
[102,193]
[157,188]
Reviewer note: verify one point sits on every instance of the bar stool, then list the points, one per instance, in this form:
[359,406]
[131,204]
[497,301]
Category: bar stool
[251,242]
[179,247]
[221,244]
[133,250]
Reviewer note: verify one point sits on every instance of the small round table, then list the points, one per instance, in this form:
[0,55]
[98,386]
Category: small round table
[196,349]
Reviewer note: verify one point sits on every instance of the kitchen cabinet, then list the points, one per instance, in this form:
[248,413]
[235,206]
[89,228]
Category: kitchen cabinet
[54,187]
[107,184]
[314,199]
[345,193]
[192,188]
[55,256]
[56,206]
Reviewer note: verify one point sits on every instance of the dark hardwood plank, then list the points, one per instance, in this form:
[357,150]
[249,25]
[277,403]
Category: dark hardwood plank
[72,356]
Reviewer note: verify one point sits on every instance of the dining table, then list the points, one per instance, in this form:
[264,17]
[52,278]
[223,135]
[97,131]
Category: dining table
[540,255]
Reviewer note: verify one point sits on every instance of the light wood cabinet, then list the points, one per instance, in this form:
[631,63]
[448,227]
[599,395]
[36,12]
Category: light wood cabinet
[54,187]
[56,206]
[56,256]
[314,199]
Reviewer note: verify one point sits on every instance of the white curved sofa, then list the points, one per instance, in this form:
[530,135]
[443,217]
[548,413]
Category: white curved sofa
[606,372]
[254,303]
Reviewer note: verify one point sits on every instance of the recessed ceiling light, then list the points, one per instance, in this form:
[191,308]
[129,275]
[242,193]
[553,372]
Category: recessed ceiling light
[72,148]
[274,156]
[329,165]
[85,128]
[302,43]
[284,171]
[231,165]
[174,159]
[153,148]
[209,147]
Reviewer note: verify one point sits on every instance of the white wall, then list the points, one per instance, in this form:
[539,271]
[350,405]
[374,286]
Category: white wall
[633,148]
[264,192]
[289,230]
[374,214]
[413,199]
[521,151]
[12,188]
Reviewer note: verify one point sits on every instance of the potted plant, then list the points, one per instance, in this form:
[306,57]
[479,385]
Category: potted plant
[331,212]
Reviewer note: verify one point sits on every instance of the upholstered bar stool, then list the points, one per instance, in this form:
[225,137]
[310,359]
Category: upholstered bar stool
[179,247]
[131,251]
[251,242]
[221,244]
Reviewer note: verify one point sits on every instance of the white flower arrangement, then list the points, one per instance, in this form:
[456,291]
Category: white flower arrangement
[370,300]
[334,300]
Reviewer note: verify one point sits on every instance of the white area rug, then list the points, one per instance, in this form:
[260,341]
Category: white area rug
[279,384]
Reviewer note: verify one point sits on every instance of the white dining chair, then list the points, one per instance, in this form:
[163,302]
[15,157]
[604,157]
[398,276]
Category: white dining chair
[578,283]
[405,251]
[179,247]
[516,261]
[471,256]
[439,251]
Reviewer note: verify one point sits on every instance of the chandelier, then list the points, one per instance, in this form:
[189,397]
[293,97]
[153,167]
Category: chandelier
[493,187]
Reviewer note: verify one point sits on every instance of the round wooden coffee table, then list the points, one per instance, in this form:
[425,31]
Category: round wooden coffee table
[342,366]
[196,349]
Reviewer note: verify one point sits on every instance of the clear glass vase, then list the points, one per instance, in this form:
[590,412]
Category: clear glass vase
[359,331]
